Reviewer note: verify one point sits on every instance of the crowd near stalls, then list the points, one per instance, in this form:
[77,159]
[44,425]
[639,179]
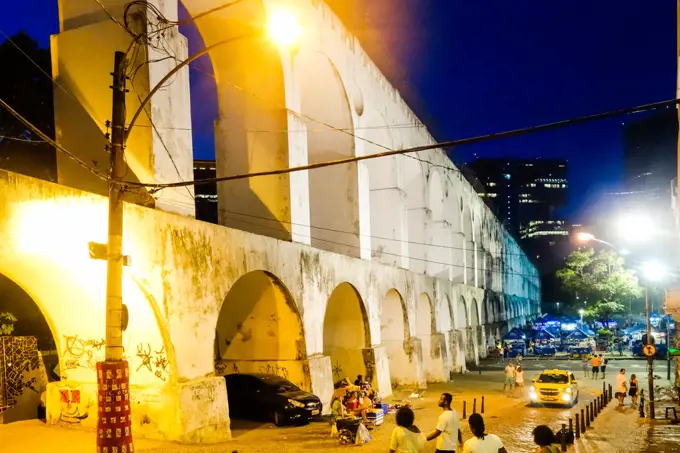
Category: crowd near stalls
[550,335]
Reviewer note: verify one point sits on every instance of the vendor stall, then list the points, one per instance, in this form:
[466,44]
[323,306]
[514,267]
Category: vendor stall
[544,343]
[577,344]
[516,340]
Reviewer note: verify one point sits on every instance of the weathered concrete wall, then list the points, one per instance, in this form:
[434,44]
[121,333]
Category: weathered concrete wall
[179,283]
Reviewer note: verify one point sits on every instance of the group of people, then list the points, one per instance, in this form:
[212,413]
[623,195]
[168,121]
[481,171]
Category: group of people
[407,437]
[351,403]
[596,364]
[623,388]
[514,379]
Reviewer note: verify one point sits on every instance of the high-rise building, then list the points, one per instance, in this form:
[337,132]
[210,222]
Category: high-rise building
[524,194]
[651,155]
[206,194]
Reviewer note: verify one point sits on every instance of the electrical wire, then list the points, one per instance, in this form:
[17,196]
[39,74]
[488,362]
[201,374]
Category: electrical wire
[416,149]
[24,140]
[356,247]
[47,139]
[350,233]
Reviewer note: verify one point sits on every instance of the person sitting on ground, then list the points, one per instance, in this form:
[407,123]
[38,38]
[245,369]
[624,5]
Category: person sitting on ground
[482,442]
[365,401]
[354,407]
[337,408]
[634,389]
[545,439]
[359,381]
[406,437]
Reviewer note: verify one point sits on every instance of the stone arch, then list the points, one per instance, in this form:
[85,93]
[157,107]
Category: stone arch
[347,335]
[395,338]
[259,330]
[252,120]
[333,191]
[462,323]
[439,252]
[389,215]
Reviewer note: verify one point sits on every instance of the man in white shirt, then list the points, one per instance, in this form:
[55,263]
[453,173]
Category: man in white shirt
[447,433]
[621,386]
[509,377]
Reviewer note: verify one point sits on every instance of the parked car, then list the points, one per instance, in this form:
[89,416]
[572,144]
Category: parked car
[270,397]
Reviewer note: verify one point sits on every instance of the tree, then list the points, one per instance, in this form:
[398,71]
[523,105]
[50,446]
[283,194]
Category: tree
[600,278]
[7,321]
[28,90]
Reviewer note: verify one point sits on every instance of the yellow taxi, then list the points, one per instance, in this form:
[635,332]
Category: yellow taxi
[554,387]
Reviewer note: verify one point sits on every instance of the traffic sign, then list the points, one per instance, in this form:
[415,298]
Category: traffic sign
[649,350]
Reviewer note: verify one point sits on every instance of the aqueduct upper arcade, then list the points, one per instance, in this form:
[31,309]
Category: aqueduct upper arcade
[391,268]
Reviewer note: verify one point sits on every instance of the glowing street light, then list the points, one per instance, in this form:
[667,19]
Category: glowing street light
[653,271]
[585,237]
[637,228]
[284,28]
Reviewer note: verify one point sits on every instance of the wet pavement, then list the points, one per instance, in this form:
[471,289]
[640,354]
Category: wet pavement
[614,431]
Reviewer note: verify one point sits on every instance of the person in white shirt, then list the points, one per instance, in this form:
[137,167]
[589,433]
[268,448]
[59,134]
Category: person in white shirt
[519,381]
[621,386]
[447,433]
[482,442]
[509,377]
[406,437]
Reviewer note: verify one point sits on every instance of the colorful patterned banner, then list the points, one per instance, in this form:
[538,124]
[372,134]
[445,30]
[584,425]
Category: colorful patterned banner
[114,424]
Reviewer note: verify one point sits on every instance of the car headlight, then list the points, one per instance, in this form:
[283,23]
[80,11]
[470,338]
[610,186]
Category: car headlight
[566,398]
[533,389]
[533,395]
[296,403]
[568,390]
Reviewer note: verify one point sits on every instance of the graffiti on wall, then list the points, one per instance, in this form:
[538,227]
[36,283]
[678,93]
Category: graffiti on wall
[18,356]
[276,369]
[81,352]
[224,368]
[153,361]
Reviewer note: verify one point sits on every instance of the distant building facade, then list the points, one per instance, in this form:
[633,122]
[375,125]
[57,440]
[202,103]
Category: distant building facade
[206,194]
[525,194]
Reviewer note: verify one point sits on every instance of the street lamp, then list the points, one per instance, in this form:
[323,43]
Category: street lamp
[284,28]
[637,228]
[652,272]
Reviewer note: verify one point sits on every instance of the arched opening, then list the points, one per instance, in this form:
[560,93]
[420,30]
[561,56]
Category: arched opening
[439,253]
[389,221]
[457,240]
[394,333]
[29,358]
[346,335]
[249,119]
[333,191]
[259,330]
[477,330]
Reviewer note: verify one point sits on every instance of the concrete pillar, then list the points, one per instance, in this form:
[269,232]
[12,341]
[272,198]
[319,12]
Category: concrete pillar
[82,55]
[405,362]
[418,218]
[459,346]
[389,219]
[458,251]
[322,379]
[435,357]
[378,369]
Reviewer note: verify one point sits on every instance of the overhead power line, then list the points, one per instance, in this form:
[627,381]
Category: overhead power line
[417,149]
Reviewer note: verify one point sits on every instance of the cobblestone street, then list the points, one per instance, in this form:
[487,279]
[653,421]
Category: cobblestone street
[613,431]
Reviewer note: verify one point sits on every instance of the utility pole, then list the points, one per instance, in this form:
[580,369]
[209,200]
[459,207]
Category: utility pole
[650,360]
[113,375]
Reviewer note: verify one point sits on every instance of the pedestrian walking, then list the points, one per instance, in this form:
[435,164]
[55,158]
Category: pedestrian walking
[509,377]
[603,365]
[480,441]
[406,437]
[447,432]
[634,389]
[595,362]
[585,365]
[621,387]
[545,439]
[519,381]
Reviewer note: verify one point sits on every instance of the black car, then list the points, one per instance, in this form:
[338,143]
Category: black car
[270,397]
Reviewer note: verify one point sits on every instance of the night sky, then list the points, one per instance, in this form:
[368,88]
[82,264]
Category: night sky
[470,68]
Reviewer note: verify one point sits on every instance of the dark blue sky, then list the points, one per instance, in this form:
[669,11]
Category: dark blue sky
[471,68]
